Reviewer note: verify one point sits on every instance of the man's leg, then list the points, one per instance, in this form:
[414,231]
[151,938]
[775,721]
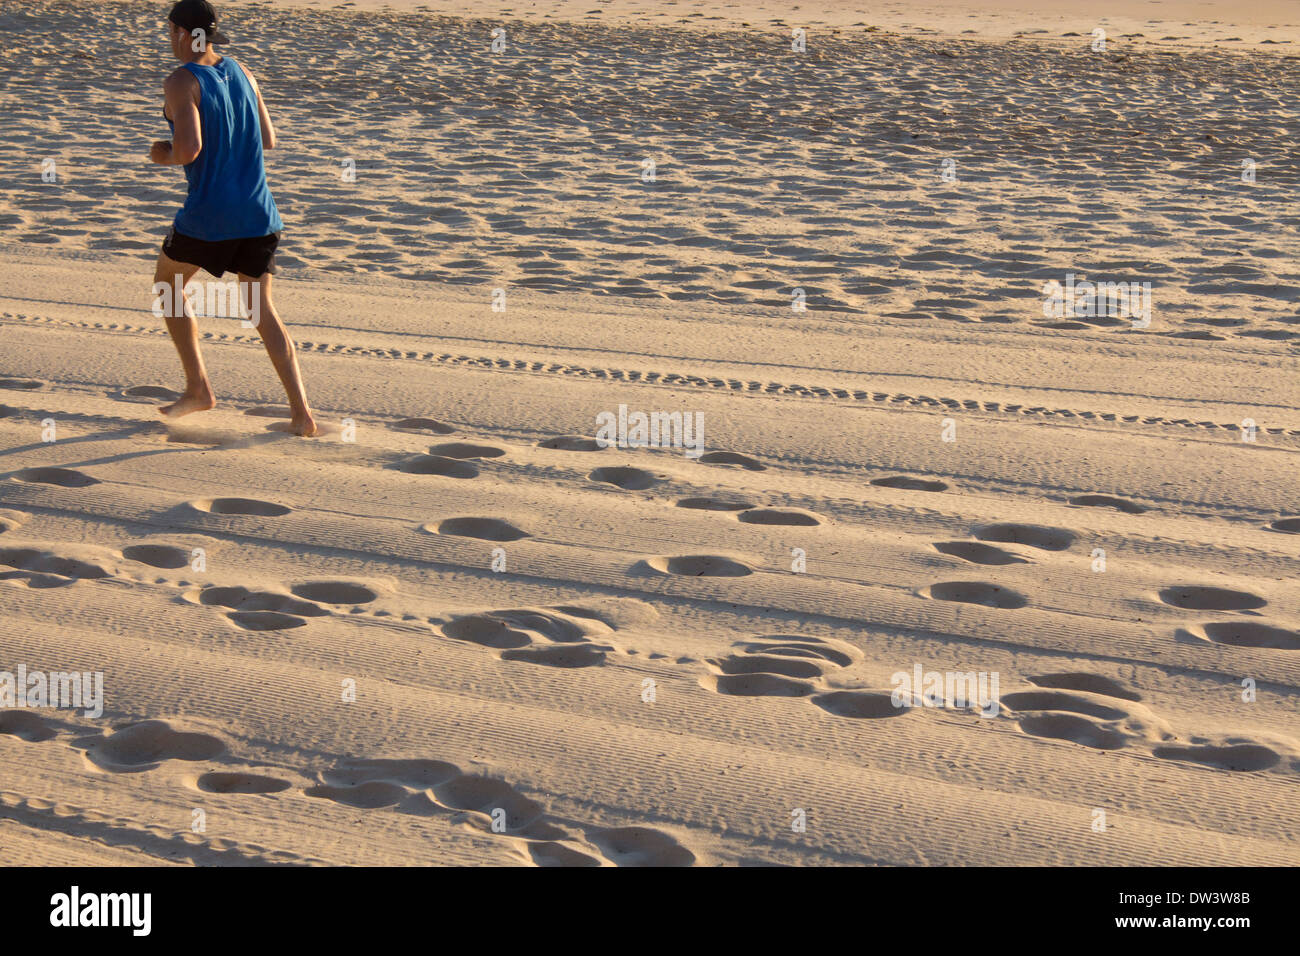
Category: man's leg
[184,330]
[280,348]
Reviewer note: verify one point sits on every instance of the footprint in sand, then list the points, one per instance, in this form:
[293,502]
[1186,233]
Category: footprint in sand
[1087,709]
[1286,525]
[1237,757]
[1073,728]
[784,666]
[714,504]
[437,465]
[144,746]
[335,592]
[485,529]
[240,506]
[1248,634]
[234,782]
[572,443]
[910,484]
[10,521]
[374,784]
[977,592]
[163,556]
[63,477]
[258,610]
[553,637]
[25,725]
[1106,501]
[860,704]
[732,458]
[641,846]
[559,655]
[1063,701]
[45,569]
[977,553]
[696,566]
[428,787]
[21,384]
[779,516]
[630,479]
[1196,598]
[1091,683]
[426,426]
[463,450]
[1035,536]
[149,393]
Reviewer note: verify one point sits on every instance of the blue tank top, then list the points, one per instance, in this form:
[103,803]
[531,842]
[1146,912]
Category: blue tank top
[228,197]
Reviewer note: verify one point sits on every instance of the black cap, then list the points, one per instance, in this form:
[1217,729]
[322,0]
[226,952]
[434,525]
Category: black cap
[194,15]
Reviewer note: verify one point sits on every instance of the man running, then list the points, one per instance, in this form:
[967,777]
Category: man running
[229,222]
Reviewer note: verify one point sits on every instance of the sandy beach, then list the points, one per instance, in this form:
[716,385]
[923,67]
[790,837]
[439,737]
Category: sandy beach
[454,629]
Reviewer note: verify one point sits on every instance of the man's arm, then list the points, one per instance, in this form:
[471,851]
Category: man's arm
[182,92]
[263,116]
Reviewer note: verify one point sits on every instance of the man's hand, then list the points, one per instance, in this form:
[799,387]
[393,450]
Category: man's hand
[161,153]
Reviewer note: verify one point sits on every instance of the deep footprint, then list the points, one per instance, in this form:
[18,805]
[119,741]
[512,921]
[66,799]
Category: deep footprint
[700,565]
[25,725]
[146,745]
[732,458]
[1070,727]
[572,443]
[1091,683]
[1060,701]
[1252,634]
[1195,598]
[223,782]
[426,425]
[713,504]
[641,846]
[63,477]
[485,529]
[487,795]
[461,450]
[779,516]
[159,392]
[760,685]
[240,506]
[437,465]
[265,620]
[1241,757]
[335,592]
[631,479]
[908,483]
[157,555]
[558,655]
[860,704]
[1036,536]
[47,563]
[978,592]
[977,553]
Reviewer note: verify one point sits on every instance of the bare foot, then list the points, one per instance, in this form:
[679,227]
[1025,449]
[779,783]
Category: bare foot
[303,424]
[190,402]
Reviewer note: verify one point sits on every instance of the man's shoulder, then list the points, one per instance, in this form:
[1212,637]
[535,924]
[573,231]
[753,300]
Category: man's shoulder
[180,79]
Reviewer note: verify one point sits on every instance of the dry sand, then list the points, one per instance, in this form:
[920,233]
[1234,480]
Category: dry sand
[365,558]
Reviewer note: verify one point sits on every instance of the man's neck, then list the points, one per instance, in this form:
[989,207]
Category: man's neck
[206,58]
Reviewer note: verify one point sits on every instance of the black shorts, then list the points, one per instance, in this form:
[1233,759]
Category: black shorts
[250,257]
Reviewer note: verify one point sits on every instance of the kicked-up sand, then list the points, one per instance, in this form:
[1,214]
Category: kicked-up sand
[455,629]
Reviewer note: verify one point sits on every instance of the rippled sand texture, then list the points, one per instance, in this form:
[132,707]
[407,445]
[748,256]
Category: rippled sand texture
[773,170]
